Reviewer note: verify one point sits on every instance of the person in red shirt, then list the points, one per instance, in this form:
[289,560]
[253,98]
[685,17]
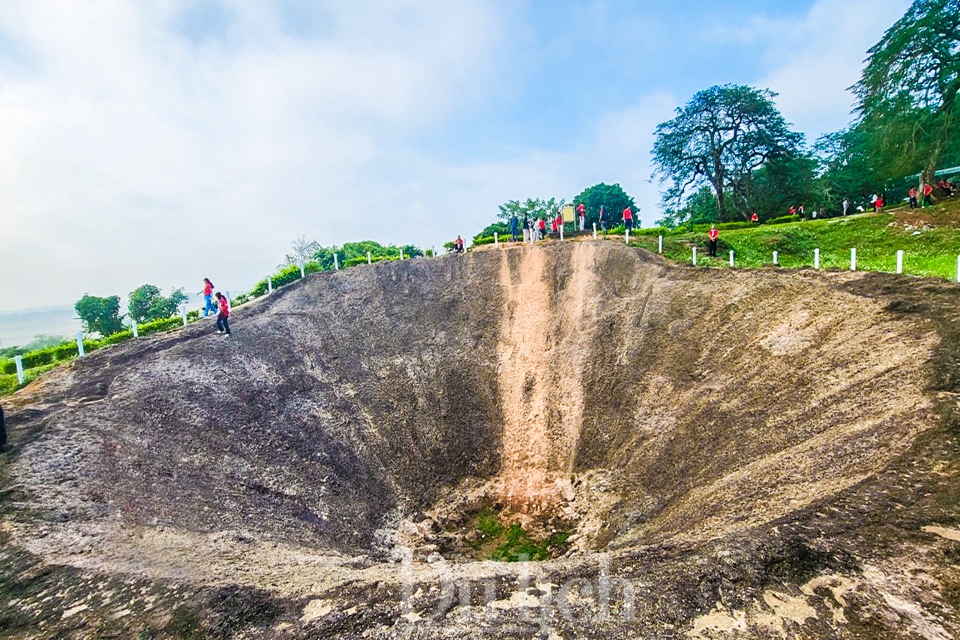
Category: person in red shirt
[458,245]
[553,225]
[582,212]
[208,297]
[628,219]
[927,200]
[912,195]
[754,217]
[603,219]
[713,234]
[223,325]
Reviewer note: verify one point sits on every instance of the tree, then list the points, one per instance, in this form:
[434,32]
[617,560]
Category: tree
[700,207]
[719,138]
[303,250]
[100,315]
[908,92]
[610,196]
[146,303]
[533,208]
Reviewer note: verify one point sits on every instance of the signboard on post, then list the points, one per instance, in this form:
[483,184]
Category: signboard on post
[568,214]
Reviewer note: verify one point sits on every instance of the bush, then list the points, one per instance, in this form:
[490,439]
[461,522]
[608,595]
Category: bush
[116,338]
[783,219]
[159,325]
[653,231]
[702,228]
[481,241]
[241,298]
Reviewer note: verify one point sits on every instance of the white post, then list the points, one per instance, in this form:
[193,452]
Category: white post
[694,256]
[594,230]
[369,258]
[80,343]
[853,259]
[627,236]
[401,254]
[660,246]
[561,233]
[183,313]
[775,254]
[269,284]
[496,239]
[336,263]
[731,257]
[133,325]
[900,261]
[229,301]
[816,258]
[19,362]
[303,273]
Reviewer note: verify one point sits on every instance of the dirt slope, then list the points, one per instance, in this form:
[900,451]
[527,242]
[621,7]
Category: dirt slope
[737,453]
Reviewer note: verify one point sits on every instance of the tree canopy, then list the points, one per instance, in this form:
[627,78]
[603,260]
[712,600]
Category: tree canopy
[146,303]
[610,196]
[908,92]
[718,139]
[100,315]
[533,208]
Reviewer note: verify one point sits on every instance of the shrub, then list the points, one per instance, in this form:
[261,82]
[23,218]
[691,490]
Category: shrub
[482,240]
[159,325]
[116,338]
[702,228]
[783,219]
[241,298]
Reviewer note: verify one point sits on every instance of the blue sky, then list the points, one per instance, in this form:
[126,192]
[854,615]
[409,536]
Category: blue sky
[166,141]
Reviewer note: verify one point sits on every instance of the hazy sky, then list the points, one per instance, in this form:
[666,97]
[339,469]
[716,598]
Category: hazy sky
[166,141]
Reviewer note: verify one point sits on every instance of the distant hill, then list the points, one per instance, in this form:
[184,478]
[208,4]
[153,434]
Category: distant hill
[19,327]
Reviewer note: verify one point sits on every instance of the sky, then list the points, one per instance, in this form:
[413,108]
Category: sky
[162,141]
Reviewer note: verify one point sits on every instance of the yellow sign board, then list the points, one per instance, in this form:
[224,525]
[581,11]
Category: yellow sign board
[568,214]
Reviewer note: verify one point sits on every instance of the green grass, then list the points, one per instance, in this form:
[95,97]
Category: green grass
[932,252]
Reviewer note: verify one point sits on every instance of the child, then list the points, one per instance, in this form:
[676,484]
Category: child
[223,325]
[208,297]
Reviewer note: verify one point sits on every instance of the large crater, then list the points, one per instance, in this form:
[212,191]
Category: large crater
[375,411]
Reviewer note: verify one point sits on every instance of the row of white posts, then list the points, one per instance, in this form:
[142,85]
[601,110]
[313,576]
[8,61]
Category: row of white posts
[816,259]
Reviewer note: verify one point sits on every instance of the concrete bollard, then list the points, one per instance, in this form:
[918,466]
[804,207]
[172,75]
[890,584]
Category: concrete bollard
[496,239]
[816,258]
[775,256]
[731,257]
[694,256]
[336,263]
[594,230]
[133,326]
[303,274]
[229,301]
[183,313]
[269,284]
[401,254]
[80,344]
[853,259]
[561,233]
[369,258]
[900,261]
[19,362]
[627,236]
[660,246]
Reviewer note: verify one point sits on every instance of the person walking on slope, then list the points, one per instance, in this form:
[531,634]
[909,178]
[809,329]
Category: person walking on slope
[541,229]
[514,224]
[208,298]
[628,219]
[223,324]
[582,214]
[713,234]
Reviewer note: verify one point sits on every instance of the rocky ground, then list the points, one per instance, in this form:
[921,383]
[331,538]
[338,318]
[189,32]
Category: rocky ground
[717,453]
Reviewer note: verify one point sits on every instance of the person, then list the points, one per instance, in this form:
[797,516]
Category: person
[3,431]
[526,228]
[878,205]
[542,229]
[912,197]
[582,213]
[559,220]
[927,192]
[802,212]
[514,224]
[208,298]
[458,245]
[553,226]
[873,201]
[846,205]
[603,219]
[628,219]
[223,325]
[713,235]
[754,217]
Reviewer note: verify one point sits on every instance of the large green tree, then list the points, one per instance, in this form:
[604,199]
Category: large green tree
[720,138]
[533,208]
[100,315]
[908,92]
[147,303]
[611,197]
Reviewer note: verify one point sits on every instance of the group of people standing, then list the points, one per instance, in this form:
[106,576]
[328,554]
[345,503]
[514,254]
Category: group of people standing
[536,228]
[221,308]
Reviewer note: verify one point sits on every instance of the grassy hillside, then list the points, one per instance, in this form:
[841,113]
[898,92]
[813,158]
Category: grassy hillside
[928,237]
